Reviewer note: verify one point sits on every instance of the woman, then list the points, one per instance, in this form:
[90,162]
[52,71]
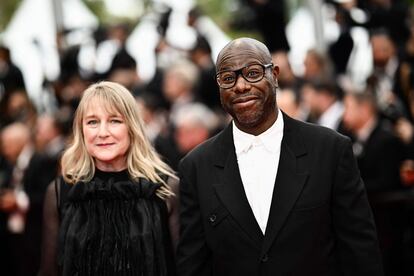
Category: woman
[114,210]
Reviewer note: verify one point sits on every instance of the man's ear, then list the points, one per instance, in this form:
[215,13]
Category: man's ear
[275,72]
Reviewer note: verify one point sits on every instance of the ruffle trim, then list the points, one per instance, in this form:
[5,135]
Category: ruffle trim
[111,189]
[113,228]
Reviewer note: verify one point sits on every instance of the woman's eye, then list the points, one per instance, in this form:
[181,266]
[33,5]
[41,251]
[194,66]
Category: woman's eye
[92,122]
[116,121]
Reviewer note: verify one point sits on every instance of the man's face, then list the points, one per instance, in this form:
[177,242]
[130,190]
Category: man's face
[382,50]
[252,105]
[352,113]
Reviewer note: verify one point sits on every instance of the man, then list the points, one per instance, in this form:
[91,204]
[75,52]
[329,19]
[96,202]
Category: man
[15,201]
[193,124]
[378,151]
[379,155]
[326,104]
[385,78]
[271,195]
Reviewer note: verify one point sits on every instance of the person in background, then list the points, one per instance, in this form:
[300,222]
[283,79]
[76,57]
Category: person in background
[206,89]
[48,143]
[15,199]
[317,66]
[385,78]
[179,83]
[270,195]
[326,107]
[193,124]
[11,78]
[16,106]
[114,210]
[288,101]
[287,78]
[379,154]
[270,19]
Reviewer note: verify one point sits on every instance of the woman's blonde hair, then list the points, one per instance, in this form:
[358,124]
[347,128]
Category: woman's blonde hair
[142,159]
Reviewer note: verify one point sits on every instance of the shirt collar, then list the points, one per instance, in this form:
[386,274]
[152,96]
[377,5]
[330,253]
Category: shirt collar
[332,116]
[244,141]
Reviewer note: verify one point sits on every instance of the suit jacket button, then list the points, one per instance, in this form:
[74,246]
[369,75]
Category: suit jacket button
[212,218]
[265,258]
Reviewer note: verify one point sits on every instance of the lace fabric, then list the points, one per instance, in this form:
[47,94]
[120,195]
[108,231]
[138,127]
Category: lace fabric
[109,226]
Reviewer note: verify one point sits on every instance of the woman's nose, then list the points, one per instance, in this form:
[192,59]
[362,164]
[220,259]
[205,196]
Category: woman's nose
[103,130]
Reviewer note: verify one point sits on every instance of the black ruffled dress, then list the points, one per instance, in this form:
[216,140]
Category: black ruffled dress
[113,226]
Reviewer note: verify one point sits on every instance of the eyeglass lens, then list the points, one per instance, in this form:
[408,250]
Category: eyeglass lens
[251,73]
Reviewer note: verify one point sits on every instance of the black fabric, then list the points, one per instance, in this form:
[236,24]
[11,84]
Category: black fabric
[113,226]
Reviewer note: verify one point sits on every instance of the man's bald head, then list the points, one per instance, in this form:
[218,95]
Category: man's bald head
[243,45]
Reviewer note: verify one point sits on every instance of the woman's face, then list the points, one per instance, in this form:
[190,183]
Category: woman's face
[106,137]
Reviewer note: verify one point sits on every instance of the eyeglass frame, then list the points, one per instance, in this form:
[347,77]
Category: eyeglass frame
[239,72]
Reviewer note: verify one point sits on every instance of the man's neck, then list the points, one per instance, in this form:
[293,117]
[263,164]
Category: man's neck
[366,129]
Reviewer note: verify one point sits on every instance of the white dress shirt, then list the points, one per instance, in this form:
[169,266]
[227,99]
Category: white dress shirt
[332,116]
[258,160]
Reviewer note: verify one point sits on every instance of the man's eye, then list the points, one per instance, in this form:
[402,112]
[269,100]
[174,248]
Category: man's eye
[227,78]
[253,74]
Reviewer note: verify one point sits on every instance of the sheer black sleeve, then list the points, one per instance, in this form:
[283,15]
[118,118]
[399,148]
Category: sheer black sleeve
[173,212]
[48,265]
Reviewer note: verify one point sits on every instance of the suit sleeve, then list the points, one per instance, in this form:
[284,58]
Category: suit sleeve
[193,254]
[357,247]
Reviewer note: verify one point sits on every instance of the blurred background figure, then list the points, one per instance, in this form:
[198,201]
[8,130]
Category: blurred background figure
[193,124]
[11,78]
[389,15]
[379,154]
[384,78]
[113,60]
[155,118]
[270,20]
[179,85]
[207,90]
[340,50]
[16,106]
[317,66]
[17,149]
[325,104]
[288,101]
[377,148]
[287,78]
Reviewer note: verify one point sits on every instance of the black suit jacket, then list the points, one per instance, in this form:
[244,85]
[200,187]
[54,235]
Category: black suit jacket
[380,160]
[320,222]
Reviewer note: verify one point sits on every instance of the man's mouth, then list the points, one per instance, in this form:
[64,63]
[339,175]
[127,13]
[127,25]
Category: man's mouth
[244,101]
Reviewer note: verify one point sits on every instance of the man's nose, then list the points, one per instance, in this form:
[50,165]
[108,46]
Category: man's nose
[241,84]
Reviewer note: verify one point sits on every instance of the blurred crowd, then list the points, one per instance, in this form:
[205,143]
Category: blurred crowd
[181,108]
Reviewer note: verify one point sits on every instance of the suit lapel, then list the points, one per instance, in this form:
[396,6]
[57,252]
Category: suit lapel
[289,182]
[230,188]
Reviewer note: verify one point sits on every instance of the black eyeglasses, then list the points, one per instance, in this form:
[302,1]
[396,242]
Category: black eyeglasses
[252,73]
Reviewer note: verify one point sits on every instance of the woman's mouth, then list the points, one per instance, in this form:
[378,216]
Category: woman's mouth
[105,144]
